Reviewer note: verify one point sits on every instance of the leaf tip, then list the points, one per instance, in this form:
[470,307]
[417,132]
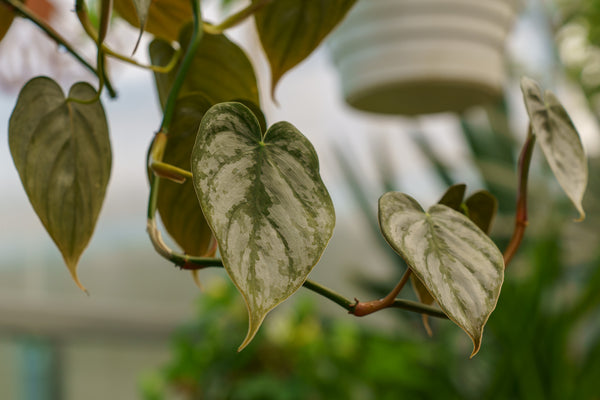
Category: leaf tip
[73,271]
[248,339]
[581,215]
[475,350]
[476,343]
[255,320]
[527,82]
[426,325]
[196,278]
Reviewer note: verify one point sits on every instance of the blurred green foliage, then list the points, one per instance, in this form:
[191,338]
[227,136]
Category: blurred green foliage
[542,342]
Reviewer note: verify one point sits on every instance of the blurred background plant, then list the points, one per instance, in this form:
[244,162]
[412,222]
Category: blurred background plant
[542,341]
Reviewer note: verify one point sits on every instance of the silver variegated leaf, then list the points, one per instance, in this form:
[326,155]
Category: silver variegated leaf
[458,263]
[265,202]
[559,141]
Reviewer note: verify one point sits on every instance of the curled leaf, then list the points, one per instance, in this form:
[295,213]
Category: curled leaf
[559,141]
[162,18]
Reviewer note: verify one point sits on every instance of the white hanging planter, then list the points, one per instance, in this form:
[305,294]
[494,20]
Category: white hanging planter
[422,56]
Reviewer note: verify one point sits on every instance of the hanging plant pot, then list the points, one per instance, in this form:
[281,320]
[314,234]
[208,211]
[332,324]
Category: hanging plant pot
[422,56]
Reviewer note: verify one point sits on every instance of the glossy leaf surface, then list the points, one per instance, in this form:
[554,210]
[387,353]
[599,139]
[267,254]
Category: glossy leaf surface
[164,18]
[264,199]
[559,141]
[290,30]
[62,153]
[457,262]
[177,203]
[220,71]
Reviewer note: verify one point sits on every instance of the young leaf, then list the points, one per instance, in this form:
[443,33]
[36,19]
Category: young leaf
[220,71]
[264,199]
[62,152]
[482,207]
[458,263]
[6,19]
[559,141]
[454,196]
[165,18]
[177,203]
[290,30]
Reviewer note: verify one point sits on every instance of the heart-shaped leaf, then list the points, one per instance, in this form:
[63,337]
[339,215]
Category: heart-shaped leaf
[164,18]
[458,263]
[290,30]
[264,199]
[6,19]
[558,139]
[220,71]
[482,207]
[62,152]
[177,203]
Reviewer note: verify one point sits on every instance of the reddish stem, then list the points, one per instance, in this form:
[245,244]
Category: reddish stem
[521,221]
[361,309]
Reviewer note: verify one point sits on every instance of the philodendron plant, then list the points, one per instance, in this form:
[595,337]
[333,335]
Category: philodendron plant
[222,179]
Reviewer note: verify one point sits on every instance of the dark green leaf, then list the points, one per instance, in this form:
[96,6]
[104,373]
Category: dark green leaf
[220,71]
[454,196]
[290,30]
[164,18]
[458,263]
[559,141]
[265,201]
[177,203]
[6,19]
[62,152]
[482,207]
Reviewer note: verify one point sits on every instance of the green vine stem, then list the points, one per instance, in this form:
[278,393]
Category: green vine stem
[235,19]
[183,69]
[105,12]
[521,221]
[24,11]
[197,263]
[160,139]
